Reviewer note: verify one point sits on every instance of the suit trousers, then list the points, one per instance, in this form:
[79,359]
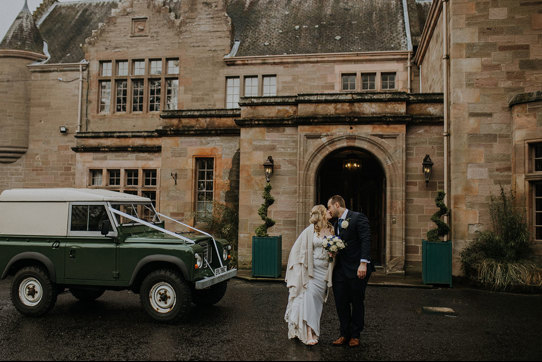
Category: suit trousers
[349,297]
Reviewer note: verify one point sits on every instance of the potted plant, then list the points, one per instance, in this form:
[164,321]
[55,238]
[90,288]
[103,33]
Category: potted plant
[266,250]
[436,253]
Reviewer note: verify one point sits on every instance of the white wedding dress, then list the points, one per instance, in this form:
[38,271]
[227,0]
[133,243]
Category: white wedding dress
[306,308]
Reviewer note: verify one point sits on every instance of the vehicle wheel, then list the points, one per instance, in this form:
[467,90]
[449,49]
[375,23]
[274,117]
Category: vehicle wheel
[32,291]
[211,295]
[87,294]
[165,296]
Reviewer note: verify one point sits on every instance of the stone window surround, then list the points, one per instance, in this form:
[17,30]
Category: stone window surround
[378,81]
[532,177]
[146,77]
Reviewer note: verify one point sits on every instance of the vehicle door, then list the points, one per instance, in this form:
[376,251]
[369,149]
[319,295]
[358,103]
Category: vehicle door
[90,257]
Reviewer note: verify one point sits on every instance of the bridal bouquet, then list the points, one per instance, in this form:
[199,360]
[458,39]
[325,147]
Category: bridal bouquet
[332,244]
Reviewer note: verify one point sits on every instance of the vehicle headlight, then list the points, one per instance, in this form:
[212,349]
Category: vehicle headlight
[224,254]
[199,261]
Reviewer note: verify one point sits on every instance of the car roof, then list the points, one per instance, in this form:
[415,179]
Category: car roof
[67,195]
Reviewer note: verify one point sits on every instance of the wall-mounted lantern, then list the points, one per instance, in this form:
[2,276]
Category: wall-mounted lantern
[268,168]
[174,177]
[427,165]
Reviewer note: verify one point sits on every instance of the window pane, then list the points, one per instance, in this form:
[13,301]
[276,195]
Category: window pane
[106,69]
[388,80]
[122,68]
[269,85]
[139,67]
[105,96]
[156,67]
[539,233]
[348,82]
[171,93]
[96,177]
[251,86]
[121,95]
[173,66]
[368,81]
[155,89]
[137,95]
[204,187]
[150,177]
[79,218]
[132,178]
[114,177]
[232,92]
[96,215]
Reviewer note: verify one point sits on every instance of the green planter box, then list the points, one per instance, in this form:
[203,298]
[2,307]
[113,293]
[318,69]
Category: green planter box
[267,256]
[437,262]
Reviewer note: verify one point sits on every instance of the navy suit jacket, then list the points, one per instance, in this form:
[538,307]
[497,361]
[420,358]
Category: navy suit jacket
[357,237]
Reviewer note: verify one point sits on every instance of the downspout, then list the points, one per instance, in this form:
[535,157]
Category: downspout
[80,105]
[409,43]
[445,67]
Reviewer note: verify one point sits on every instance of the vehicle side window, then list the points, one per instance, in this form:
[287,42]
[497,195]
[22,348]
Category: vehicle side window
[88,217]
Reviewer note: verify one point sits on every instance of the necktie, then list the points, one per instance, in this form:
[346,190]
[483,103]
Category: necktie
[339,225]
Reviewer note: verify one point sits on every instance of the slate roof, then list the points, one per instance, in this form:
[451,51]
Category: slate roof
[277,27]
[66,25]
[262,27]
[23,34]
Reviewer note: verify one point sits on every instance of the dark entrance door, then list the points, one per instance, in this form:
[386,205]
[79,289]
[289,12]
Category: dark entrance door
[357,176]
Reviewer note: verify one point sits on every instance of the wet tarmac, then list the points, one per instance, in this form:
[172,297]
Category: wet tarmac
[248,324]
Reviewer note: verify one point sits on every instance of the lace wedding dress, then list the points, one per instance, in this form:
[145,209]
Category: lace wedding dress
[306,309]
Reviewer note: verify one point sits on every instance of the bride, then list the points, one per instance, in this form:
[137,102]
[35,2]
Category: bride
[308,278]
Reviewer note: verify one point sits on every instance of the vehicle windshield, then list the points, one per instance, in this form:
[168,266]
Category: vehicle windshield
[143,211]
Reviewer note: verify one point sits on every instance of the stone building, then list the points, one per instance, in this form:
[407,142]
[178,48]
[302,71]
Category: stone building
[183,101]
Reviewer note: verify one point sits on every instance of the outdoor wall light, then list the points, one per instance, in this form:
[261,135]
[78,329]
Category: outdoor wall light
[174,177]
[63,129]
[427,165]
[268,168]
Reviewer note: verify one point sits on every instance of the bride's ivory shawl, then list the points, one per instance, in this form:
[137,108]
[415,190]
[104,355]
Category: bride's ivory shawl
[300,264]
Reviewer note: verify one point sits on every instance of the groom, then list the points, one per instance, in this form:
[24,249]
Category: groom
[352,270]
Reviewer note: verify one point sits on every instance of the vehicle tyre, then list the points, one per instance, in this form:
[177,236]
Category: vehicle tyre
[211,295]
[87,294]
[32,291]
[165,296]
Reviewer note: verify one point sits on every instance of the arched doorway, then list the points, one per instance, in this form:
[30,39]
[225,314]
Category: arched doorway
[358,177]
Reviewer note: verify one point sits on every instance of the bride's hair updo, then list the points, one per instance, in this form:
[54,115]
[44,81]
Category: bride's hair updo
[318,218]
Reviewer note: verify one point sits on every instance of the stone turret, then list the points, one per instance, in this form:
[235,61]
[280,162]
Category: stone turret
[21,46]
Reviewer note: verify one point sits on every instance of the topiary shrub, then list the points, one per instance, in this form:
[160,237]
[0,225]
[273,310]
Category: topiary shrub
[223,224]
[261,230]
[442,229]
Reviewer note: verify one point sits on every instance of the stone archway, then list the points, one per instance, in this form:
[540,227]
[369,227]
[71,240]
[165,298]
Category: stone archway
[389,150]
[357,176]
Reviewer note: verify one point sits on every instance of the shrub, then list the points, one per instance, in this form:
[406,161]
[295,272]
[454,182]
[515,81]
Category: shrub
[223,224]
[501,258]
[261,230]
[442,228]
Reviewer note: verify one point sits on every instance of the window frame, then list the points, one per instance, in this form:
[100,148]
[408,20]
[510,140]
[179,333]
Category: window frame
[111,99]
[197,216]
[355,76]
[93,234]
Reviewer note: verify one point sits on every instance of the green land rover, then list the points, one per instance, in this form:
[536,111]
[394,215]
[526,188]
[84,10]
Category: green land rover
[91,240]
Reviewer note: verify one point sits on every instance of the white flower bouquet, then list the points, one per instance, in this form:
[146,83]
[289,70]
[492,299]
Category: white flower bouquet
[333,244]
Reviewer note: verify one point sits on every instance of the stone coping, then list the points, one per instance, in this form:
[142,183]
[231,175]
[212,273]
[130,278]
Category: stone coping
[139,149]
[344,97]
[330,119]
[201,113]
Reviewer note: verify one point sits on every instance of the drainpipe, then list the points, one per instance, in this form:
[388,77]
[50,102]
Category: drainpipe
[421,87]
[409,67]
[445,67]
[80,105]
